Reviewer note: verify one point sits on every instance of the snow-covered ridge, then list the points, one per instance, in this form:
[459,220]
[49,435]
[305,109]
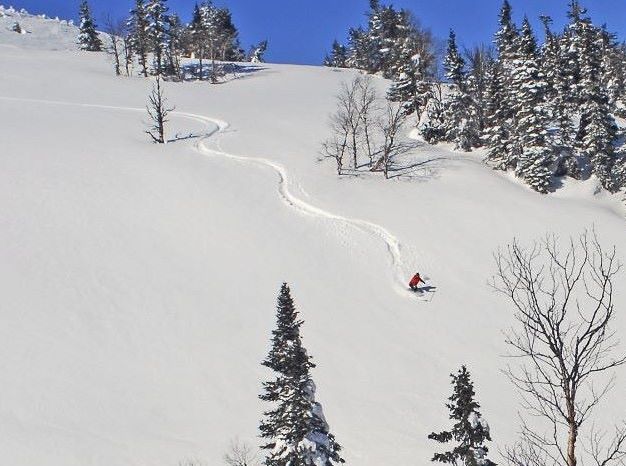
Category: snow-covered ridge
[36,31]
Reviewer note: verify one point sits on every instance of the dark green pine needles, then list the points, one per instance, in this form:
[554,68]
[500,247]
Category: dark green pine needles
[297,433]
[469,432]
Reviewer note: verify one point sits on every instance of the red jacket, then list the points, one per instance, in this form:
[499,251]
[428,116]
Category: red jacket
[416,280]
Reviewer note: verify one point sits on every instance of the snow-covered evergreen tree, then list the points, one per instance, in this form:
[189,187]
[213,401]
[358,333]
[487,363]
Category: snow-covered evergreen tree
[213,36]
[433,129]
[461,119]
[139,39]
[469,432]
[379,47]
[88,36]
[197,38]
[619,174]
[497,133]
[338,56]
[553,65]
[175,44]
[597,130]
[296,431]
[410,87]
[532,145]
[157,32]
[257,52]
[480,60]
[453,63]
[462,122]
[613,74]
[358,49]
[506,46]
[506,35]
[210,35]
[227,46]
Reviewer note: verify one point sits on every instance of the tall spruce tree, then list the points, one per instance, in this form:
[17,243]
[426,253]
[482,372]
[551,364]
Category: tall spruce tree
[453,63]
[410,87]
[358,49]
[296,431]
[197,38]
[506,46]
[139,39]
[158,33]
[175,45]
[88,36]
[597,130]
[469,432]
[532,146]
[552,65]
[227,40]
[497,133]
[613,72]
[506,34]
[462,125]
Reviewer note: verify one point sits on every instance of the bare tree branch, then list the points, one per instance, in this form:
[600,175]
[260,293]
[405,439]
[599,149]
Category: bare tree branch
[158,112]
[241,454]
[563,304]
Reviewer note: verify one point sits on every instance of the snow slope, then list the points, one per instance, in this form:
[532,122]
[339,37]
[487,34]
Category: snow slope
[138,282]
[38,32]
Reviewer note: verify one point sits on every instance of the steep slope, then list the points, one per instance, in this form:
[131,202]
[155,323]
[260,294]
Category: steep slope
[138,282]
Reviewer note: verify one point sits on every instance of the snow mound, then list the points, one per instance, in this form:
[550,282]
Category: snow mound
[37,31]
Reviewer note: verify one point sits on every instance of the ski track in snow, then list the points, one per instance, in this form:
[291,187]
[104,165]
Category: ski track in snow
[285,194]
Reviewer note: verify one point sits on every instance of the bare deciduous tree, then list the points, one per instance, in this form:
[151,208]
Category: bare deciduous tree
[350,111]
[241,454]
[335,147]
[115,31]
[390,126]
[361,128]
[366,109]
[563,304]
[127,47]
[345,125]
[158,111]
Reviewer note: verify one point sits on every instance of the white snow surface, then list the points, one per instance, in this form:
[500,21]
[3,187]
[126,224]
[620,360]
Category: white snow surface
[139,281]
[38,31]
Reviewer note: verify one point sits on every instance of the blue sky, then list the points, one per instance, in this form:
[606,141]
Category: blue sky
[301,31]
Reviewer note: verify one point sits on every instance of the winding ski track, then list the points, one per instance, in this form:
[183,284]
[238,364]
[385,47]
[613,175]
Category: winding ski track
[215,128]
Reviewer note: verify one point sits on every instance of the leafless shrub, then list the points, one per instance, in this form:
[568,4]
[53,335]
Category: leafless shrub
[241,454]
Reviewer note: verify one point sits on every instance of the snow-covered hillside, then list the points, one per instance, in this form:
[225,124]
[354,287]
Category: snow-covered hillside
[138,282]
[37,32]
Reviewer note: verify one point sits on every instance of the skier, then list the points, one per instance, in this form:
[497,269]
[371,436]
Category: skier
[416,281]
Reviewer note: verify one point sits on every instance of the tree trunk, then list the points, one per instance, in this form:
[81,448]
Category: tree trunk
[144,65]
[572,435]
